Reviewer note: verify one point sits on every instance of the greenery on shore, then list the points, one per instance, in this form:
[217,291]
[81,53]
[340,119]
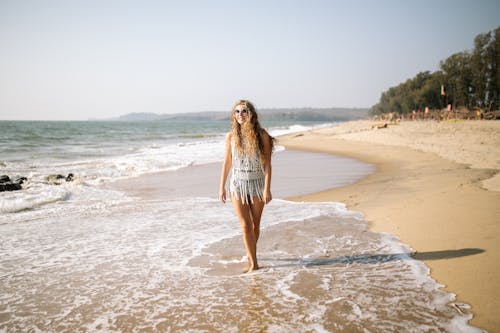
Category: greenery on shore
[468,79]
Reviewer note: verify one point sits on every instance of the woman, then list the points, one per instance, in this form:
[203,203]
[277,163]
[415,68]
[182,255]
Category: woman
[248,157]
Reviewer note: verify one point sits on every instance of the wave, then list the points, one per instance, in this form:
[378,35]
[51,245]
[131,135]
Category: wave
[283,130]
[13,202]
[95,163]
[322,271]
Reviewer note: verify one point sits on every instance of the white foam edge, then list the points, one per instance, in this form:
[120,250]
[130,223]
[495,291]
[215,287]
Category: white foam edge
[460,322]
[19,201]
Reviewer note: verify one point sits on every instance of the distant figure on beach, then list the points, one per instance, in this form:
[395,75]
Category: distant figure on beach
[248,158]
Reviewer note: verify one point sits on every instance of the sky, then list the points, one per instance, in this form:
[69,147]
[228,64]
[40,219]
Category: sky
[79,60]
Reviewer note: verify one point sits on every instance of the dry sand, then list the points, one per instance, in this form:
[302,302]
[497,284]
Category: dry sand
[437,187]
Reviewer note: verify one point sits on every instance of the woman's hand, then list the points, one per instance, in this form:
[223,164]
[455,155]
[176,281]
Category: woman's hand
[222,196]
[267,196]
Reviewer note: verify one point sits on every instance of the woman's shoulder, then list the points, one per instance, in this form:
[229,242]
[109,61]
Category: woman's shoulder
[267,139]
[264,133]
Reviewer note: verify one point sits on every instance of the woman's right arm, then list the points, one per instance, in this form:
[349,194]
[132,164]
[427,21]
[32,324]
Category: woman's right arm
[226,166]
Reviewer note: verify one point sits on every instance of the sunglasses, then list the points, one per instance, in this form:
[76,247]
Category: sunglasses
[244,111]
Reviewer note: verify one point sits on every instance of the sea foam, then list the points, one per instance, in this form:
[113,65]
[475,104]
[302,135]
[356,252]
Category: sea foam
[169,266]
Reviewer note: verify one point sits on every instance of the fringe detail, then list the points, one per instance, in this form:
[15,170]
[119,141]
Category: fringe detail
[246,190]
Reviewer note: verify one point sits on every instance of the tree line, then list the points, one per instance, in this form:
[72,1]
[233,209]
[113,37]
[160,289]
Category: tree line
[468,79]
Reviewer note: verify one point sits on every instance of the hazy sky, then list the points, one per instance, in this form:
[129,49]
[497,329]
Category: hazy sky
[71,59]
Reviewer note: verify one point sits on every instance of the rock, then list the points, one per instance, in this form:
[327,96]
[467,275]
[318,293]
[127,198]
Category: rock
[58,179]
[4,179]
[10,187]
[21,180]
[6,184]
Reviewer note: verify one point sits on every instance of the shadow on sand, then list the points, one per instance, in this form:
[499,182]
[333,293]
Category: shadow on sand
[374,258]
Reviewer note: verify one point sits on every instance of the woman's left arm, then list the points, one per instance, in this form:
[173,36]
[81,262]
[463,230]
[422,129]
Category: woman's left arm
[266,163]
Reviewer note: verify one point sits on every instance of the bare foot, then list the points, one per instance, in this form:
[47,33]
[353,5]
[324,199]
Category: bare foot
[251,269]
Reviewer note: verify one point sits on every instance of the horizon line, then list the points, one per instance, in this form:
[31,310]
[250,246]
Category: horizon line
[112,118]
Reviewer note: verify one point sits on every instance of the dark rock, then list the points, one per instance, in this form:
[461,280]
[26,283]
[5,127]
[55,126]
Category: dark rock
[58,179]
[54,178]
[10,187]
[21,180]
[7,184]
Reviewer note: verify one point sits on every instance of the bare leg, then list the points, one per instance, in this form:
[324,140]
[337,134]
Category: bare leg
[244,216]
[256,212]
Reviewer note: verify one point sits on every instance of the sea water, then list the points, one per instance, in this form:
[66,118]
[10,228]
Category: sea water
[81,257]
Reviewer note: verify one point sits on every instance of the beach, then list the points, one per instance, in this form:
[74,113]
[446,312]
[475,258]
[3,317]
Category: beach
[139,241]
[435,187]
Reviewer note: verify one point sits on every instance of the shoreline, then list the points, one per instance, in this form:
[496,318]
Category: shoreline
[288,164]
[435,205]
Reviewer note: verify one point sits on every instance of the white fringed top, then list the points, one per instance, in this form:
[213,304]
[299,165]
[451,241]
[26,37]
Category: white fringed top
[247,176]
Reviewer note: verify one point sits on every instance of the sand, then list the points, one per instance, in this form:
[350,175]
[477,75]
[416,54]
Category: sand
[437,187]
[203,180]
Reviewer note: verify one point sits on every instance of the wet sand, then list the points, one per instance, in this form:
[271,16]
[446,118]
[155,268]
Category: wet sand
[203,180]
[436,187]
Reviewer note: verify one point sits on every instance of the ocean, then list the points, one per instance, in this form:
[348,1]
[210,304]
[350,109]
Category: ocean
[88,256]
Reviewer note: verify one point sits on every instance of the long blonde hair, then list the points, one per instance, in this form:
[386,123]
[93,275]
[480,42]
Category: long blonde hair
[248,138]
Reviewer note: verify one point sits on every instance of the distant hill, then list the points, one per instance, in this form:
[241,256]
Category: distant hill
[299,114]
